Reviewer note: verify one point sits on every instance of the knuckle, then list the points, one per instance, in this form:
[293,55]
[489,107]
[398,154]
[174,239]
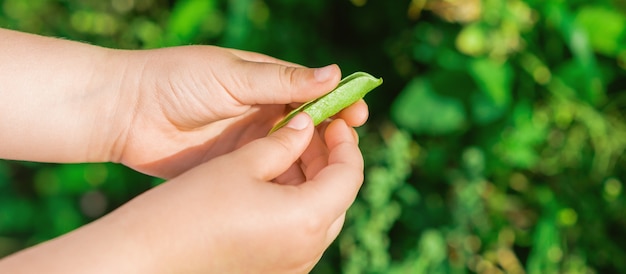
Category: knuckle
[313,226]
[288,76]
[282,143]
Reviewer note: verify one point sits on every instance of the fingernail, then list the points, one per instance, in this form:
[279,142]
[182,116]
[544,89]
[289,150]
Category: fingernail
[324,73]
[299,122]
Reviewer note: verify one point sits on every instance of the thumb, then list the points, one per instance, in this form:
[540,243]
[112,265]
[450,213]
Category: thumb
[271,83]
[269,157]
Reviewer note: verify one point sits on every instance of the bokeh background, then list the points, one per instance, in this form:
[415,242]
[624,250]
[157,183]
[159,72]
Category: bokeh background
[494,146]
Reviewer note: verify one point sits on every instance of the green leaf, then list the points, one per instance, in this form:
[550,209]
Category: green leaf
[604,28]
[186,20]
[577,40]
[494,79]
[422,110]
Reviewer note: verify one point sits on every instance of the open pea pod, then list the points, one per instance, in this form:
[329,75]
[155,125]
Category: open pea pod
[349,90]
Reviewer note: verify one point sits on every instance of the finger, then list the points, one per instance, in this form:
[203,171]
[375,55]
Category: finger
[261,58]
[293,176]
[315,157]
[267,83]
[321,130]
[355,135]
[356,114]
[269,157]
[335,187]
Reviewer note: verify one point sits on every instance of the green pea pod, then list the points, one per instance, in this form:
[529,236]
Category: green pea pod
[349,90]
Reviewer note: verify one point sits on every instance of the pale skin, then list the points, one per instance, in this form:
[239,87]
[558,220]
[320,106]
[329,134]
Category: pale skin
[237,201]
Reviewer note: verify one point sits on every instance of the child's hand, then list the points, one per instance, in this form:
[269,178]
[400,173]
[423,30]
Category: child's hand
[250,211]
[194,103]
[158,111]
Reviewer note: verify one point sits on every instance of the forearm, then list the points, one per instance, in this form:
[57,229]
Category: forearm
[109,245]
[149,234]
[59,100]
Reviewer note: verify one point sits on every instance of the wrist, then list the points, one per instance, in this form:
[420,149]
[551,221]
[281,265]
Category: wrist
[116,80]
[63,101]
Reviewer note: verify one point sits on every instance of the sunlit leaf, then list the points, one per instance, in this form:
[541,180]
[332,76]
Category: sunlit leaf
[494,79]
[186,20]
[577,40]
[604,27]
[420,109]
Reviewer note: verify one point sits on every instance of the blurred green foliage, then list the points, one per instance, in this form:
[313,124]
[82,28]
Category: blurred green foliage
[494,146]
